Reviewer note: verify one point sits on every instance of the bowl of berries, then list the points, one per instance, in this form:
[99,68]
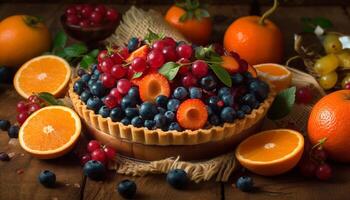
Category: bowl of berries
[89,23]
[158,98]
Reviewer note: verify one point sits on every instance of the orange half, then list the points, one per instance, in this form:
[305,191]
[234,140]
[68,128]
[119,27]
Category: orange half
[278,75]
[271,152]
[50,132]
[46,73]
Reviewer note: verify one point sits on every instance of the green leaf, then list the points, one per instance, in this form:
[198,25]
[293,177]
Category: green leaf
[60,40]
[183,17]
[75,50]
[169,70]
[94,53]
[87,61]
[49,99]
[60,53]
[137,75]
[323,22]
[152,36]
[282,104]
[222,74]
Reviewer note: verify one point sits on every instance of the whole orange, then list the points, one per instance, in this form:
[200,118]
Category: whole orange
[195,29]
[256,39]
[329,121]
[22,37]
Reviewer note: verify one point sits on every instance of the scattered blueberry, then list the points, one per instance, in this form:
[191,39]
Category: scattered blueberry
[95,170]
[133,44]
[240,114]
[177,178]
[249,99]
[125,121]
[224,91]
[214,120]
[104,111]
[208,82]
[94,103]
[228,114]
[78,87]
[173,104]
[116,114]
[237,79]
[127,189]
[148,110]
[131,112]
[180,93]
[134,93]
[174,126]
[4,156]
[245,183]
[161,110]
[97,89]
[195,93]
[228,99]
[170,116]
[246,109]
[85,95]
[160,120]
[13,131]
[85,78]
[162,101]
[137,121]
[47,178]
[4,124]
[149,123]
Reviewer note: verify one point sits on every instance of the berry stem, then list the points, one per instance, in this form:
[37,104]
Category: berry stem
[320,143]
[268,12]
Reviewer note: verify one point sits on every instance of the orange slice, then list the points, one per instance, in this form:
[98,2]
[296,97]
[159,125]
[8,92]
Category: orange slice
[271,152]
[50,132]
[278,75]
[43,74]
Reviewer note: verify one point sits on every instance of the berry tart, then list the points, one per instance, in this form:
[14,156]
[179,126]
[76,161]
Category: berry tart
[158,98]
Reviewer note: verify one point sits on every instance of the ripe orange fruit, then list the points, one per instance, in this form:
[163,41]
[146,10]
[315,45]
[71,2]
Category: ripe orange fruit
[255,39]
[271,152]
[43,74]
[329,121]
[192,114]
[22,37]
[196,26]
[278,75]
[153,85]
[50,132]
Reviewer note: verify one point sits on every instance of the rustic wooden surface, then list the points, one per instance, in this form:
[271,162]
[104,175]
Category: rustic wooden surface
[18,177]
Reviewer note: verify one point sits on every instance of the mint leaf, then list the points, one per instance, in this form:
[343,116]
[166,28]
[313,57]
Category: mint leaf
[169,70]
[49,99]
[87,61]
[282,104]
[137,75]
[309,24]
[222,74]
[60,40]
[94,53]
[152,36]
[60,53]
[75,50]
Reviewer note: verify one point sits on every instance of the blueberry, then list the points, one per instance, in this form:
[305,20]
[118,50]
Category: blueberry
[177,178]
[245,183]
[180,93]
[4,124]
[96,72]
[173,104]
[174,126]
[47,178]
[228,114]
[247,75]
[162,101]
[97,89]
[85,78]
[170,116]
[78,87]
[95,170]
[81,72]
[256,105]
[4,156]
[224,91]
[246,109]
[240,114]
[134,93]
[213,103]
[127,101]
[127,189]
[237,79]
[195,93]
[227,99]
[137,121]
[13,131]
[208,82]
[260,89]
[94,77]
[148,110]
[214,120]
[149,123]
[161,110]
[91,82]
[160,120]
[116,114]
[94,103]
[133,44]
[104,111]
[85,95]
[131,112]
[93,67]
[209,110]
[125,121]
[249,99]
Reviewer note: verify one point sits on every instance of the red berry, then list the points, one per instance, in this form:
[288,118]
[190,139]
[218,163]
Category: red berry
[218,48]
[189,80]
[93,145]
[34,99]
[138,64]
[169,53]
[118,71]
[22,106]
[111,101]
[78,7]
[96,17]
[110,152]
[108,81]
[84,23]
[184,51]
[220,103]
[155,59]
[102,55]
[159,45]
[33,107]
[117,59]
[307,168]
[123,86]
[243,65]
[99,155]
[199,68]
[100,9]
[304,95]
[21,117]
[106,65]
[112,15]
[115,92]
[324,172]
[72,19]
[169,42]
[86,11]
[319,154]
[124,52]
[184,70]
[347,86]
[71,11]
[84,159]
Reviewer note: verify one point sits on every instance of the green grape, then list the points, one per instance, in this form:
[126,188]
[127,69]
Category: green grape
[328,81]
[344,58]
[332,44]
[326,64]
[345,80]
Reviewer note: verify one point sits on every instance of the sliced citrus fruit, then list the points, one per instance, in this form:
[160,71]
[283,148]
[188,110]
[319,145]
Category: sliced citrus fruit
[271,152]
[50,132]
[279,76]
[46,73]
[192,114]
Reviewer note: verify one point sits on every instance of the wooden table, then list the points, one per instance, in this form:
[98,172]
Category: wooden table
[18,177]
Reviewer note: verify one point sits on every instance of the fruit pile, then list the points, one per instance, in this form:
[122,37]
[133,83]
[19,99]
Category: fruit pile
[26,107]
[87,15]
[98,152]
[161,83]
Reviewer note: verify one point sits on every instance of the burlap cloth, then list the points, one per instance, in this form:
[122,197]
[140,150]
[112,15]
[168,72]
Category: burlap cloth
[137,22]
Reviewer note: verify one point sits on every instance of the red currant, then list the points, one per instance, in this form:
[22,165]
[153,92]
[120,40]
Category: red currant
[99,155]
[86,11]
[34,99]
[184,51]
[110,152]
[112,15]
[218,48]
[304,95]
[96,17]
[108,81]
[100,9]
[347,86]
[93,145]
[189,80]
[319,154]
[307,168]
[118,71]
[21,117]
[123,86]
[33,107]
[184,70]
[169,42]
[111,101]
[199,68]
[84,23]
[243,65]
[324,172]
[159,45]
[106,65]
[138,64]
[155,59]
[22,106]
[115,92]
[72,19]
[78,7]
[71,11]
[169,53]
[102,55]
[124,52]
[84,159]
[117,59]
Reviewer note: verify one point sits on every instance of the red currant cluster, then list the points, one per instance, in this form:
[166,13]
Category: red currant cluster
[304,95]
[27,107]
[98,152]
[86,15]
